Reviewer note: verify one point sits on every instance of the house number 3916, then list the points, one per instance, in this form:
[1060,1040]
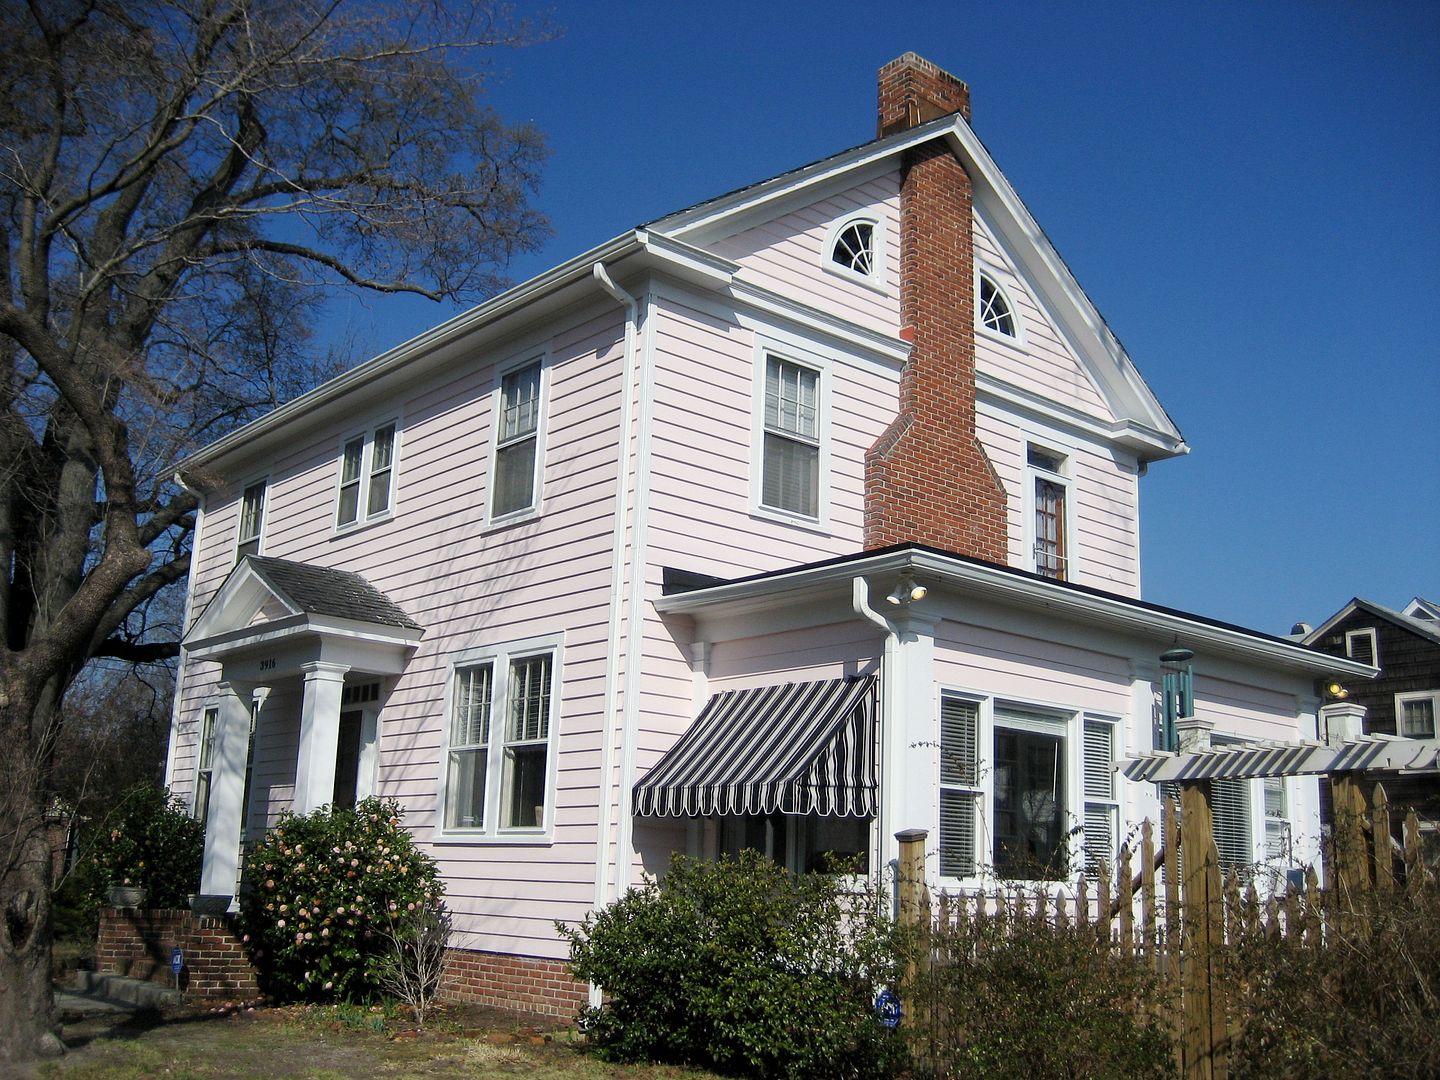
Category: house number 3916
[268,664]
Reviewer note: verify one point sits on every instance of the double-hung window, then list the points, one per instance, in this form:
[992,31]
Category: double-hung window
[1277,817]
[790,466]
[517,442]
[205,764]
[1049,521]
[1005,789]
[501,743]
[367,477]
[252,520]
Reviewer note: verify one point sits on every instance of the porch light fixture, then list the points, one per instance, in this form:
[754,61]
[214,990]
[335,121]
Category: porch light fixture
[1334,691]
[907,592]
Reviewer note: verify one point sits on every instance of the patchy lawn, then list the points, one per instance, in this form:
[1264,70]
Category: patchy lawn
[297,1043]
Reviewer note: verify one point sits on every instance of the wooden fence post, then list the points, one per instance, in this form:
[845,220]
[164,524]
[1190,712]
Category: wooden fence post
[1203,928]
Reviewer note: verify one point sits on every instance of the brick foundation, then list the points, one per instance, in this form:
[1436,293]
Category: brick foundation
[523,983]
[138,944]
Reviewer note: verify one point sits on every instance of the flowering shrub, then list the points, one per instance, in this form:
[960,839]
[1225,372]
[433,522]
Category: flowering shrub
[149,841]
[323,888]
[742,967]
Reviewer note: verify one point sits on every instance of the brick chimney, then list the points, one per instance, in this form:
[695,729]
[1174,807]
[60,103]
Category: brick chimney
[927,479]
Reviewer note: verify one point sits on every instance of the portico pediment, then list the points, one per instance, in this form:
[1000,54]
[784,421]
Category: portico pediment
[270,616]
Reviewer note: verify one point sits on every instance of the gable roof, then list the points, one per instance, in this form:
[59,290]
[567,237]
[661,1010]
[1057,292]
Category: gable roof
[1144,422]
[321,590]
[1422,628]
[674,244]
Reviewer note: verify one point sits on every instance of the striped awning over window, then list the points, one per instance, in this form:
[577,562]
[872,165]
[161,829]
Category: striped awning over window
[800,748]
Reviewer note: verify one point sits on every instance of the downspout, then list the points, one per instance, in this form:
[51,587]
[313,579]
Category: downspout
[860,601]
[184,629]
[623,478]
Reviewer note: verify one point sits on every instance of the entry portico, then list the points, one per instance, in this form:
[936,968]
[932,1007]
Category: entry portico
[275,627]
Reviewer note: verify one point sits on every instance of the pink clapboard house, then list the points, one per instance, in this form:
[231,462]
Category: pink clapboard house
[793,520]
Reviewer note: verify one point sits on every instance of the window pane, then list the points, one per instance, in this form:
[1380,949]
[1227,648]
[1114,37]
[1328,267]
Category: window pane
[1417,718]
[1099,760]
[519,403]
[252,514]
[791,479]
[465,788]
[959,741]
[379,500]
[828,843]
[530,699]
[792,396]
[957,833]
[1099,837]
[525,807]
[854,248]
[1230,807]
[1049,529]
[349,504]
[995,311]
[1029,804]
[514,478]
[470,722]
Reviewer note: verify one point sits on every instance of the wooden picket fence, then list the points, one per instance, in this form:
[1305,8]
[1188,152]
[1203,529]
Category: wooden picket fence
[1179,914]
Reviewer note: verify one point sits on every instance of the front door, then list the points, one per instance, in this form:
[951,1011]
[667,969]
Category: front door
[347,759]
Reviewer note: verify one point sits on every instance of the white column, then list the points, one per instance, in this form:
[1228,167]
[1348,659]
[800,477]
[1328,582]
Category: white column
[221,863]
[909,771]
[319,735]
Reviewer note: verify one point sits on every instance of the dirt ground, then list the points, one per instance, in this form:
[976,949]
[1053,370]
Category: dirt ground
[296,1043]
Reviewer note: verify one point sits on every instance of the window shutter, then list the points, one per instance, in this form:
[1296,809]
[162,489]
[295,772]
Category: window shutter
[1230,807]
[959,766]
[959,741]
[1099,760]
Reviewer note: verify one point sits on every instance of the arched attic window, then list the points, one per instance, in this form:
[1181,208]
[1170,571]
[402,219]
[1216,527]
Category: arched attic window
[853,248]
[996,313]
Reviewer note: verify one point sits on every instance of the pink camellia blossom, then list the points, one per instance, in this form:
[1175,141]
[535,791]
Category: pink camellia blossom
[284,908]
[328,985]
[270,883]
[281,924]
[325,932]
[340,910]
[309,936]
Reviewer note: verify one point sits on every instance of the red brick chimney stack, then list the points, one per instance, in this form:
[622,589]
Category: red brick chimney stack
[927,479]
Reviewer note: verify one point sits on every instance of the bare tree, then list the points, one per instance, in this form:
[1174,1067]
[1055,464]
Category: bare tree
[180,182]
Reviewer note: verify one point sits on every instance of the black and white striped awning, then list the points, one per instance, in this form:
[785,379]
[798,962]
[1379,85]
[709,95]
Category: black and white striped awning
[800,748]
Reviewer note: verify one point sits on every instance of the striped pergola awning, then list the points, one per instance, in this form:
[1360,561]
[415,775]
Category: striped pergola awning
[800,748]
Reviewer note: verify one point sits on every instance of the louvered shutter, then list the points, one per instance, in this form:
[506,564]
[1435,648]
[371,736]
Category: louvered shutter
[959,771]
[1100,809]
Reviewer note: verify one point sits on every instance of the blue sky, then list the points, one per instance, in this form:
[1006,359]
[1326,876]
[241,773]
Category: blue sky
[1250,193]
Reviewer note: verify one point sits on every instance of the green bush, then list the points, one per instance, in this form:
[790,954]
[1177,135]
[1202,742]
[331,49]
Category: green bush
[1015,996]
[1365,1002]
[322,888]
[151,842]
[743,967]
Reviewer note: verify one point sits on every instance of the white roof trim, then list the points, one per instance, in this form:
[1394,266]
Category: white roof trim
[1007,586]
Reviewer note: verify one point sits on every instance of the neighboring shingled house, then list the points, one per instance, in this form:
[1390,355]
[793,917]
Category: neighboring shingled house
[792,520]
[1404,699]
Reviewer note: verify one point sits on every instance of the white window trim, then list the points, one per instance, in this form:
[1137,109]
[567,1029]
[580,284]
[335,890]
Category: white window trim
[1067,721]
[501,657]
[542,420]
[1286,819]
[1369,631]
[264,515]
[1432,696]
[362,519]
[994,275]
[878,277]
[1065,479]
[822,365]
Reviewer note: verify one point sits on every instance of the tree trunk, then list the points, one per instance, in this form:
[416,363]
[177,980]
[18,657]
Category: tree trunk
[27,1000]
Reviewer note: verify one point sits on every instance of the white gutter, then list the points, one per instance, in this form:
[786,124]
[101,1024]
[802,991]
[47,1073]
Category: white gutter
[617,588]
[889,760]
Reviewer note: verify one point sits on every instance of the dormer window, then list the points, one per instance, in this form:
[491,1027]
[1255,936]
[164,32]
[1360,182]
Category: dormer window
[996,314]
[854,248]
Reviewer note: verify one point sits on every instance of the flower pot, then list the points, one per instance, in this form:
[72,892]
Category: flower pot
[126,896]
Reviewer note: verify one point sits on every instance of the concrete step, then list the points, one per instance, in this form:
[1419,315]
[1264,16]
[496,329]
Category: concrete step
[125,990]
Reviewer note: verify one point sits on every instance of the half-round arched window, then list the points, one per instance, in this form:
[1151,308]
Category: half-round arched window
[995,311]
[854,248]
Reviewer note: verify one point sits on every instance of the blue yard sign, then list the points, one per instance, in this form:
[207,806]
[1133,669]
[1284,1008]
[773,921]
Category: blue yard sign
[887,1007]
[177,960]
